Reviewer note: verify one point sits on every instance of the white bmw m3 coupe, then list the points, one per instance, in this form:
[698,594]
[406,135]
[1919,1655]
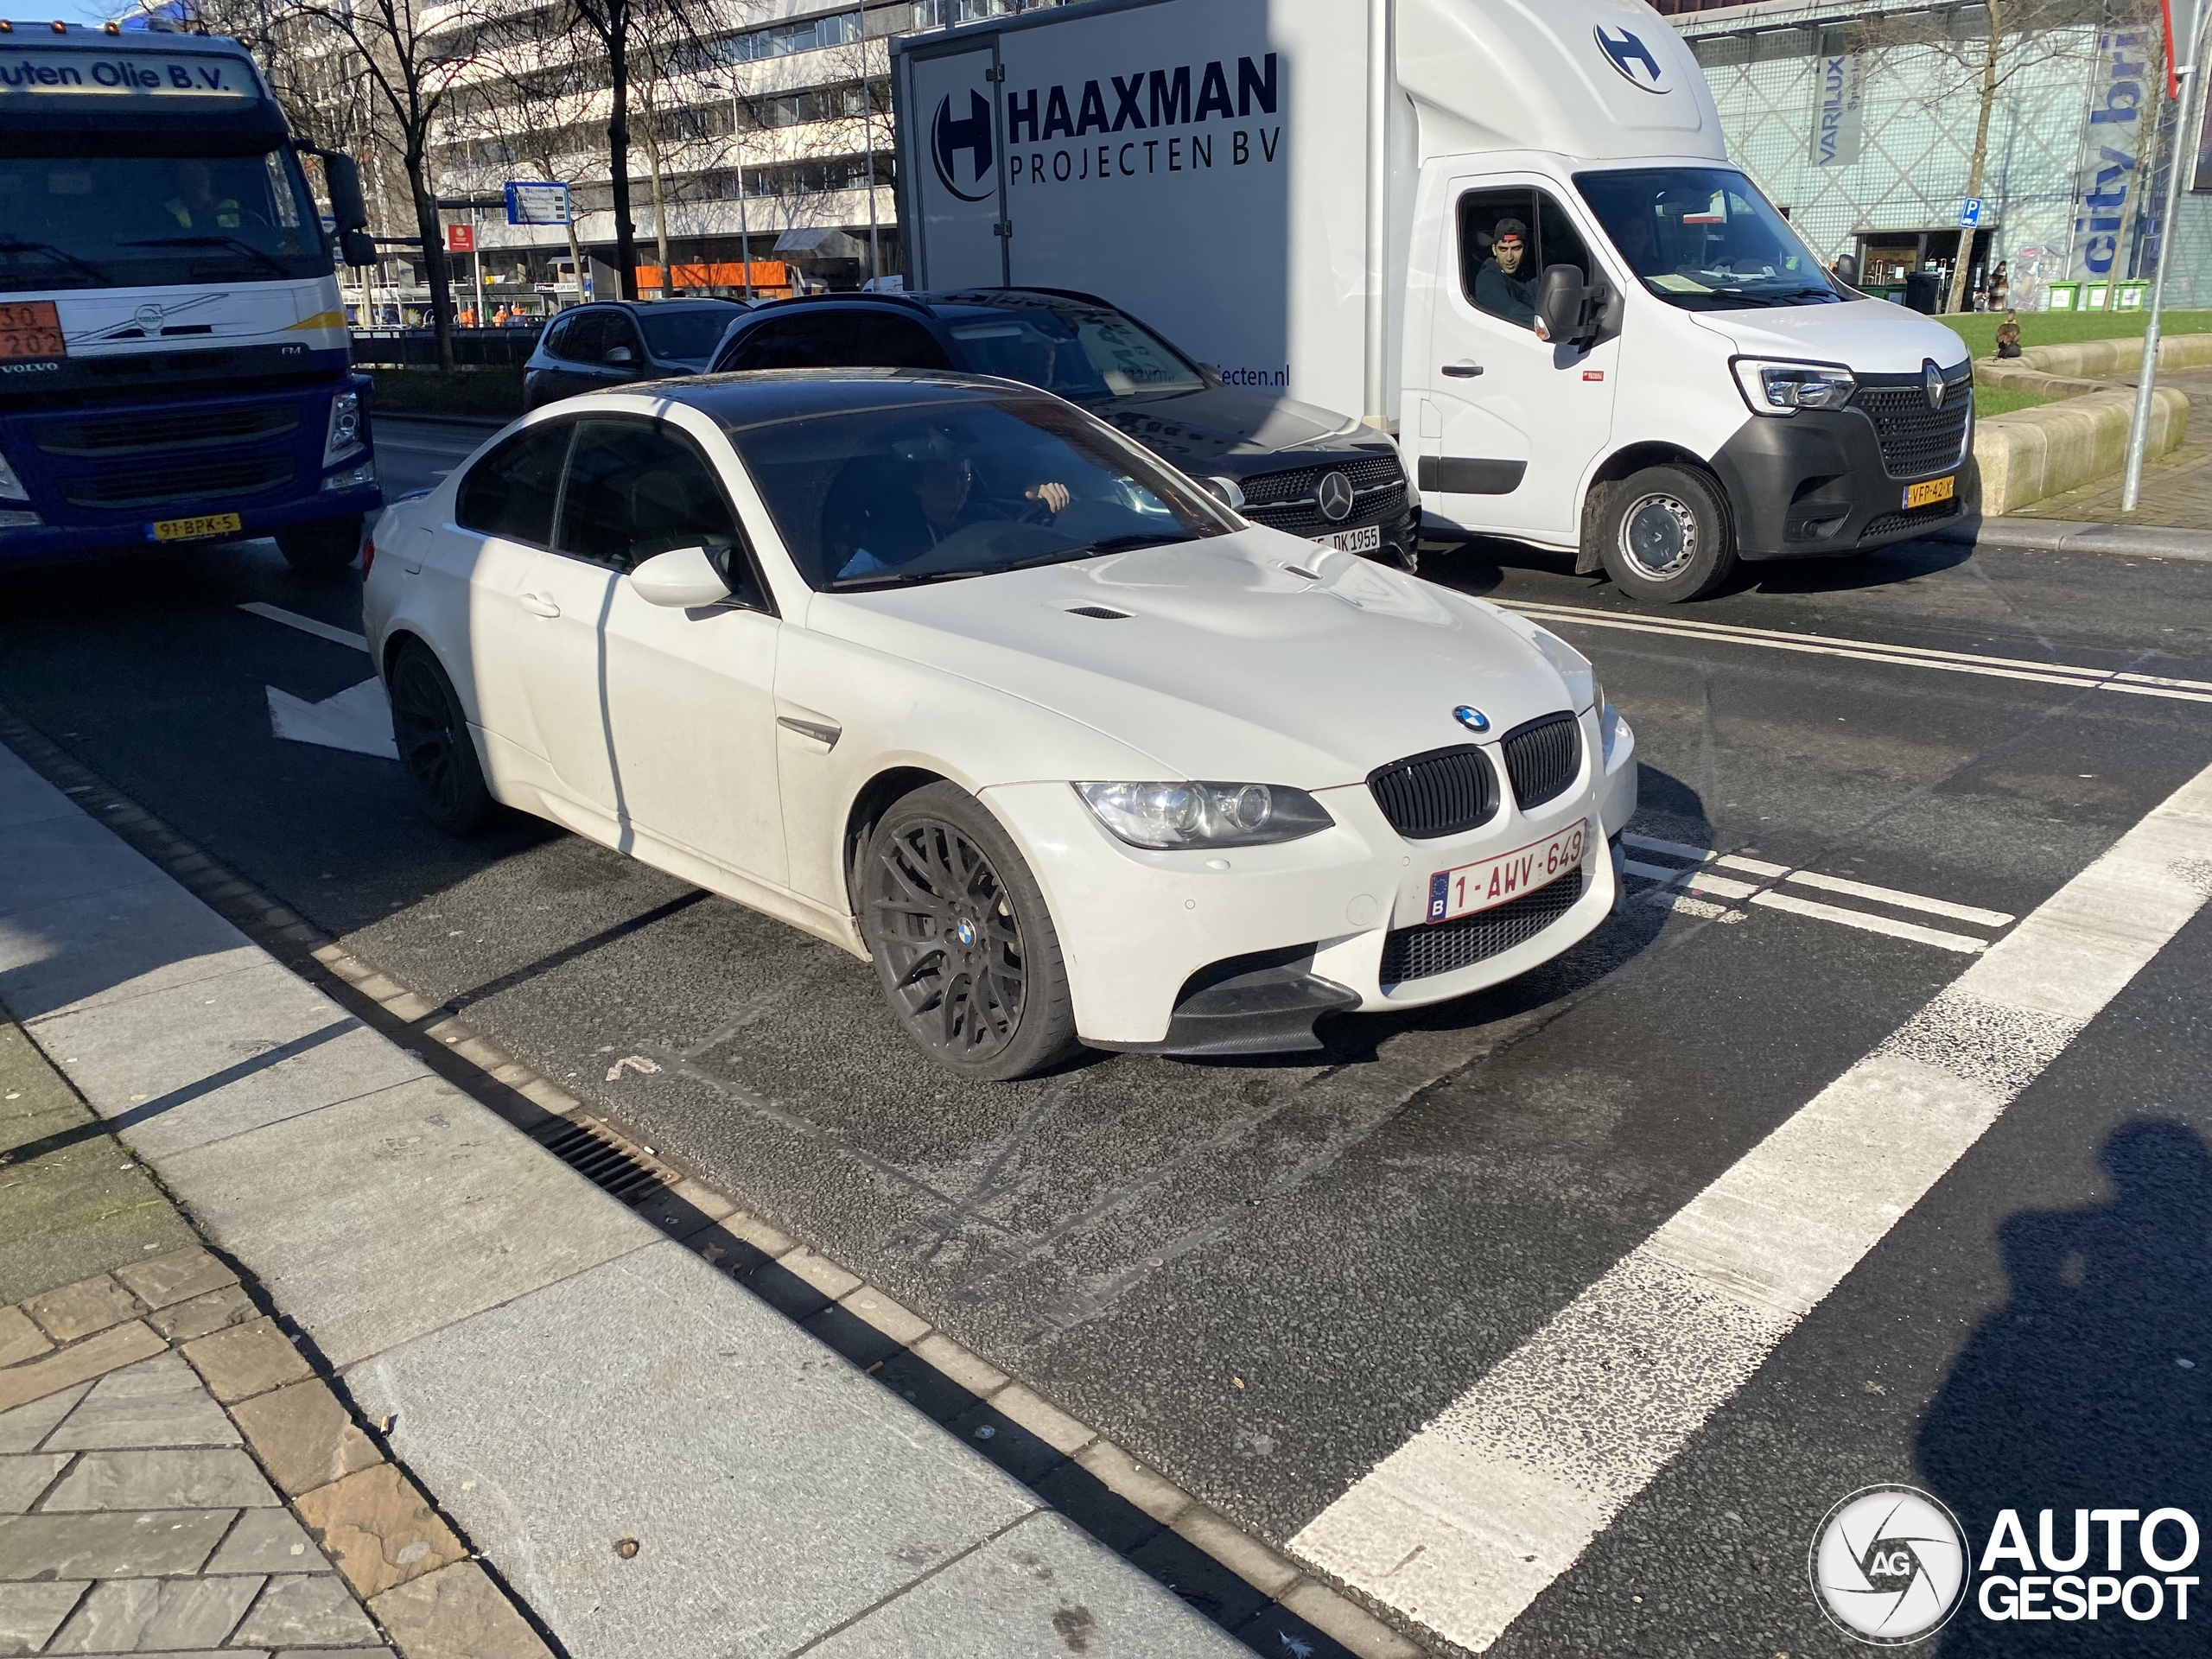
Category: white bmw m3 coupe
[948,672]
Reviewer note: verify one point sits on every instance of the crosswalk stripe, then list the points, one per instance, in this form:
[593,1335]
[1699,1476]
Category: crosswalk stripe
[1870,923]
[1464,1527]
[1700,878]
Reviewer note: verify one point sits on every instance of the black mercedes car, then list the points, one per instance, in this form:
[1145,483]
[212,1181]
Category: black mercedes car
[1284,464]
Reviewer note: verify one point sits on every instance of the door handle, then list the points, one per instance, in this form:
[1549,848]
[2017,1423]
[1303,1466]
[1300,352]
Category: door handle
[538,605]
[1463,371]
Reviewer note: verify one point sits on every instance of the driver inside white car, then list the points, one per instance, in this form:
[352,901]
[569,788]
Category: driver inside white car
[929,495]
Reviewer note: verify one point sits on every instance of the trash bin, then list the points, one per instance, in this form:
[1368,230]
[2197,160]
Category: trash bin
[2063,296]
[1923,291]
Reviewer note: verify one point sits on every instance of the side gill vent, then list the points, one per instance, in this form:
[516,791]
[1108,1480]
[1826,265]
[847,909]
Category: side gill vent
[608,1162]
[1100,612]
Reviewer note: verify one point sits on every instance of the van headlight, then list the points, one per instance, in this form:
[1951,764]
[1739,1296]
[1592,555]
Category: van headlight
[1785,388]
[345,428]
[1163,817]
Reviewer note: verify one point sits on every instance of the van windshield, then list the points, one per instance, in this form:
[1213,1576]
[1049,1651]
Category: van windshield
[1704,238]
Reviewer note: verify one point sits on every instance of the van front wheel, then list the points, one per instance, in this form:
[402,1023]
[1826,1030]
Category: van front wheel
[1664,534]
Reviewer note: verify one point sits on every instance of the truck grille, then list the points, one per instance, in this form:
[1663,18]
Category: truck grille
[116,434]
[1288,501]
[1916,439]
[1445,947]
[1442,793]
[137,486]
[1542,757]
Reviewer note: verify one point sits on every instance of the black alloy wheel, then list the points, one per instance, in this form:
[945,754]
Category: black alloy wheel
[431,730]
[963,947]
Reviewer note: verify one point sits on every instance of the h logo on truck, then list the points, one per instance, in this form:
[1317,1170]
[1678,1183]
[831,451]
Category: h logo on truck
[949,136]
[1629,55]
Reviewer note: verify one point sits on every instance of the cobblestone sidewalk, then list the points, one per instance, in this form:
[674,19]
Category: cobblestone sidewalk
[174,1476]
[2177,488]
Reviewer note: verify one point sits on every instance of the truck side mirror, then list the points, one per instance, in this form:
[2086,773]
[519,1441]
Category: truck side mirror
[1568,311]
[356,247]
[347,205]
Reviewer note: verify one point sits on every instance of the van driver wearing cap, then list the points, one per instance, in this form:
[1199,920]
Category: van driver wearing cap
[1506,284]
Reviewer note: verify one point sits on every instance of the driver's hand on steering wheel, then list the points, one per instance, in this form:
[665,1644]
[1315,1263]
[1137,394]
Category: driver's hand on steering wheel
[1055,496]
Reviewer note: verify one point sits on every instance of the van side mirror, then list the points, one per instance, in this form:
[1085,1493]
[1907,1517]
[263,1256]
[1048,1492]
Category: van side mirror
[1568,311]
[684,579]
[1847,270]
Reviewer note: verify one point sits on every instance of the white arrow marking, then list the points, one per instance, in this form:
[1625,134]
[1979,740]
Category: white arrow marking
[358,720]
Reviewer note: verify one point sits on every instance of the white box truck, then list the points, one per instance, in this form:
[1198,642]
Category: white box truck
[1506,230]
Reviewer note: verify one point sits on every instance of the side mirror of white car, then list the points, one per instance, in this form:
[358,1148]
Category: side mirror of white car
[682,580]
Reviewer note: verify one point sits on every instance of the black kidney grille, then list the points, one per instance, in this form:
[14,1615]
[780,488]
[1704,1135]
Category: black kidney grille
[1541,757]
[1440,793]
[1444,947]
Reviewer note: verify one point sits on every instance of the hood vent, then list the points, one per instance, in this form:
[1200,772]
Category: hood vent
[1100,612]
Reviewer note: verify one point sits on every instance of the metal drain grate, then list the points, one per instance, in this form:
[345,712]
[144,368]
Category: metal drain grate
[608,1162]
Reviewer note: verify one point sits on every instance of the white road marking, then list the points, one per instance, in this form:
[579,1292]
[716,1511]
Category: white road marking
[1844,885]
[358,720]
[1954,662]
[1867,922]
[1468,1522]
[307,625]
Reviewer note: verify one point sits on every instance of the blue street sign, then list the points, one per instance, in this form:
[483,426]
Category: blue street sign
[538,204]
[1970,213]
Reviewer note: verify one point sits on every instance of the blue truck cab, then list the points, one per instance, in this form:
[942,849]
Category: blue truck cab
[174,363]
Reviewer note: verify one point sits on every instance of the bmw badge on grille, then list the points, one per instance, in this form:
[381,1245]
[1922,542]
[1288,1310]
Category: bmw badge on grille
[1474,719]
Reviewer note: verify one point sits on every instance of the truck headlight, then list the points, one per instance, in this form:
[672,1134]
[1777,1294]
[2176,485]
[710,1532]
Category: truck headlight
[1163,817]
[11,487]
[345,428]
[1785,388]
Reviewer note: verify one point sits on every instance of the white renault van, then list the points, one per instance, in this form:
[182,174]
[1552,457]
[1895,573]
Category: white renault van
[1507,230]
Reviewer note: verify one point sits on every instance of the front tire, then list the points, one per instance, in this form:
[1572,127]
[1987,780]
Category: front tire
[1665,534]
[431,729]
[323,550]
[964,947]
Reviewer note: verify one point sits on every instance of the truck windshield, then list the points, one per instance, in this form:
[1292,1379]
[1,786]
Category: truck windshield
[1704,238]
[1083,351]
[103,221]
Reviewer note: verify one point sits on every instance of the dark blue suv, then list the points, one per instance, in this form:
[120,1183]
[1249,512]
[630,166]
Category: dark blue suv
[1287,465]
[615,342]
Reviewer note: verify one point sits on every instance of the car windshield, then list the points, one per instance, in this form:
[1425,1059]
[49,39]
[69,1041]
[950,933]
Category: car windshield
[1704,238]
[685,334]
[99,221]
[931,481]
[1083,351]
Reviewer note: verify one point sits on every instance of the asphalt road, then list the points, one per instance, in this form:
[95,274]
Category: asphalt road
[1266,1278]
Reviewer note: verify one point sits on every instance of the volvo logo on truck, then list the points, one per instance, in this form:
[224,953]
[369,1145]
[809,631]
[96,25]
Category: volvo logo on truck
[1628,53]
[951,136]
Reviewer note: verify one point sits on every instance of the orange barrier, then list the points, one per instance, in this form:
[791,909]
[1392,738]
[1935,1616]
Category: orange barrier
[766,274]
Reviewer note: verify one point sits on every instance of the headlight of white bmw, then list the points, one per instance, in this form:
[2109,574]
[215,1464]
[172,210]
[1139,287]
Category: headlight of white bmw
[1163,817]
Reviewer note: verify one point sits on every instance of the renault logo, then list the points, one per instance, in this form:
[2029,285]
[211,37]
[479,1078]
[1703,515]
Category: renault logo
[1934,377]
[1474,719]
[1334,495]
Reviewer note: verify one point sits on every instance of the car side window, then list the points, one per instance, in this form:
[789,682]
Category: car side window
[554,336]
[635,488]
[620,330]
[511,492]
[582,341]
[855,338]
[1507,239]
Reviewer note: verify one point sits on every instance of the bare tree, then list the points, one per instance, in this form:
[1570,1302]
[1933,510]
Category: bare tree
[412,59]
[1982,55]
[531,97]
[615,24]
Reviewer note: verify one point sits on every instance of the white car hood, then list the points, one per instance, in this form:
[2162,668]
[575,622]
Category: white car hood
[1226,666]
[1871,336]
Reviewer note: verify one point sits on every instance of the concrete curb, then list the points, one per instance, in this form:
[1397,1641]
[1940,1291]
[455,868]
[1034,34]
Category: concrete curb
[566,1390]
[862,1322]
[2067,536]
[2034,453]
